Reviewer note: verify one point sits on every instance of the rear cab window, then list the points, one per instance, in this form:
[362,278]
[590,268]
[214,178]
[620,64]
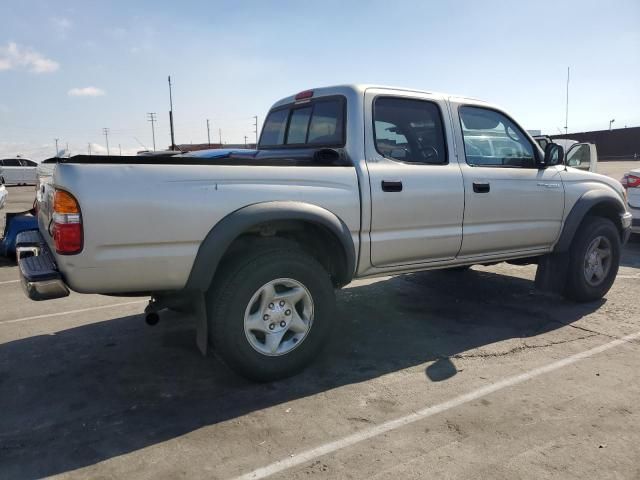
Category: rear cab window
[316,123]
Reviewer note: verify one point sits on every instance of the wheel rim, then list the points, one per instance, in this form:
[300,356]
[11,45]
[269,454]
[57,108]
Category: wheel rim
[278,317]
[597,261]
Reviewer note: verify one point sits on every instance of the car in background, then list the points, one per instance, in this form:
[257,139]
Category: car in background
[3,196]
[583,156]
[18,171]
[631,182]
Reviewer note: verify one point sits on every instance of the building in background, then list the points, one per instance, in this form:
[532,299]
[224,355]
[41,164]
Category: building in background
[618,144]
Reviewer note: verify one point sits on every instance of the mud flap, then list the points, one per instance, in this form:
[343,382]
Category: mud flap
[551,275]
[202,326]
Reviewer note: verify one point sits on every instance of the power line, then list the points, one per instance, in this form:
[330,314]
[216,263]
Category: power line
[105,131]
[151,117]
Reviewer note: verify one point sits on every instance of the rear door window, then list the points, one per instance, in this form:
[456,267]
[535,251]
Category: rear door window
[409,130]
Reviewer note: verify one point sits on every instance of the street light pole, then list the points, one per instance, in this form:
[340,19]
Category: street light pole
[255,129]
[208,133]
[610,122]
[56,146]
[173,140]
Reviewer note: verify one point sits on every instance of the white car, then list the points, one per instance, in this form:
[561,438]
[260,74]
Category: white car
[18,171]
[631,181]
[3,195]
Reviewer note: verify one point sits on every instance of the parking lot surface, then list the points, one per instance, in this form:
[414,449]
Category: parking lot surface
[427,375]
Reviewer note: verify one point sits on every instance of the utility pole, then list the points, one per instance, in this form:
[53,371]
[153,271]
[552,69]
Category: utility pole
[67,151]
[173,140]
[566,111]
[255,129]
[120,148]
[56,139]
[208,133]
[89,147]
[105,131]
[220,134]
[245,140]
[151,117]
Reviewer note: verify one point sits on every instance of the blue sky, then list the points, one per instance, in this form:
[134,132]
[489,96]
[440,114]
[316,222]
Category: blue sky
[70,68]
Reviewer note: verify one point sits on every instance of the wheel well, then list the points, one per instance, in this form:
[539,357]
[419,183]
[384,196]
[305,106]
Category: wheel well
[606,210]
[314,239]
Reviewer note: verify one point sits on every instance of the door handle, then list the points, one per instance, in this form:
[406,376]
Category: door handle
[480,187]
[388,186]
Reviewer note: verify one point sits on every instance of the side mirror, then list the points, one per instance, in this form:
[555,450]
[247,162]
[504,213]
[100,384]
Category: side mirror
[553,155]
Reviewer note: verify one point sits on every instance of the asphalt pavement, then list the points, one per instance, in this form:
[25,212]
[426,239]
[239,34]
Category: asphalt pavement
[427,375]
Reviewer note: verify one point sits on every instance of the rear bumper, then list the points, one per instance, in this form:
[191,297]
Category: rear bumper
[39,274]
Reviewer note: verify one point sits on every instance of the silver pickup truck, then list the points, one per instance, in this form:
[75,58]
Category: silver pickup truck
[347,182]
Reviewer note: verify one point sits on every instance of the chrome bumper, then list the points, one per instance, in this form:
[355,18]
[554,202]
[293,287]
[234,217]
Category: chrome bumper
[39,274]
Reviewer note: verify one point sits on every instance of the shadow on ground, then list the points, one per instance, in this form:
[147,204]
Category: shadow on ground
[94,392]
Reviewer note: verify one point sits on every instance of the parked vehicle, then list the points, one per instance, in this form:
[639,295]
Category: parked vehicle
[583,156]
[3,195]
[18,171]
[347,182]
[13,224]
[631,182]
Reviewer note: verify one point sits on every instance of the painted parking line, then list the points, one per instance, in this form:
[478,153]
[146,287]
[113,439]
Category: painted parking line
[327,448]
[9,281]
[71,312]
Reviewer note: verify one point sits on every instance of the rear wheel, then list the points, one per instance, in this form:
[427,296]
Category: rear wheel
[594,258]
[271,311]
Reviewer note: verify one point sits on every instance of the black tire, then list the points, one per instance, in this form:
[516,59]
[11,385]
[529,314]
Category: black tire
[577,287]
[232,291]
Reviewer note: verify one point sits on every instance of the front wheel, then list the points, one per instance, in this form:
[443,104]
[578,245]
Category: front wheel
[594,258]
[270,312]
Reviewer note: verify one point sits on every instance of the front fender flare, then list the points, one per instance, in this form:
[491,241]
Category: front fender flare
[222,235]
[591,199]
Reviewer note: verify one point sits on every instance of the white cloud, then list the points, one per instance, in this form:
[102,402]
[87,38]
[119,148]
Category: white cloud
[61,24]
[86,92]
[16,57]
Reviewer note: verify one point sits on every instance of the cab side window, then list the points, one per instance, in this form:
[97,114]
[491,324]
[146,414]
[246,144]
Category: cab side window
[492,140]
[409,130]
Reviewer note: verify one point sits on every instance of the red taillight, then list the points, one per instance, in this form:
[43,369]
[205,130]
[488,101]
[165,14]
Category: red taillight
[633,181]
[304,95]
[67,223]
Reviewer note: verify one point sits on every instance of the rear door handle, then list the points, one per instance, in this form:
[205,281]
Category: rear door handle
[480,187]
[388,186]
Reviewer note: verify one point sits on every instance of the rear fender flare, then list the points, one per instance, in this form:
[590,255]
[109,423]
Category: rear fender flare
[222,235]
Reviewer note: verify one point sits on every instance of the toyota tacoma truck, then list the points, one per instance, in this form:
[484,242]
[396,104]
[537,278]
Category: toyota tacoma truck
[346,182]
